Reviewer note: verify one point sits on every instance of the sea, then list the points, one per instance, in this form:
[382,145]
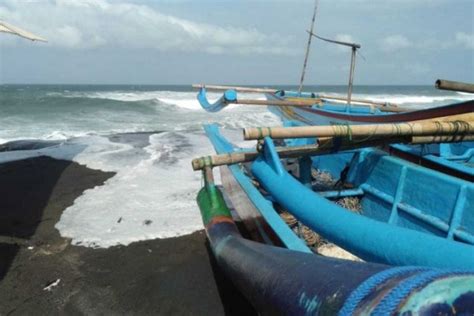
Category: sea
[147,135]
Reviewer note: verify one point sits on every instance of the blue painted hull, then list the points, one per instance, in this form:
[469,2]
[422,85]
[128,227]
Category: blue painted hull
[404,218]
[280,281]
[294,281]
[456,159]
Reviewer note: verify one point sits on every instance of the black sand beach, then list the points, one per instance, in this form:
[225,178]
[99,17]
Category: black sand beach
[174,276]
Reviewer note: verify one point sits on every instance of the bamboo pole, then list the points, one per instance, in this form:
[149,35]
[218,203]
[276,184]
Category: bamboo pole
[442,139]
[399,129]
[296,103]
[351,75]
[379,105]
[324,146]
[466,117]
[454,86]
[390,107]
[308,46]
[238,89]
[384,108]
[303,102]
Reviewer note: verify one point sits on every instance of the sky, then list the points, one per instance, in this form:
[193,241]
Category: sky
[404,42]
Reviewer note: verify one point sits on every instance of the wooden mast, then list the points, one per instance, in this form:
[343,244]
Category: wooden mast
[308,47]
[351,75]
[354,47]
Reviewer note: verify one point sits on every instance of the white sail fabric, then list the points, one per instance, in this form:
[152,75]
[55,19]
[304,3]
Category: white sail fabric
[8,28]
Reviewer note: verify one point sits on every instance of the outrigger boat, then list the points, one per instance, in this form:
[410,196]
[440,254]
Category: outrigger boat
[413,227]
[415,241]
[301,109]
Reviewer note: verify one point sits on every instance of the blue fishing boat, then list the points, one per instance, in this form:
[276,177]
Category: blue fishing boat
[413,239]
[294,108]
[408,218]
[455,158]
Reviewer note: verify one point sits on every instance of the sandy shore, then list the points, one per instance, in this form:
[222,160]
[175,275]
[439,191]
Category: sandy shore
[41,273]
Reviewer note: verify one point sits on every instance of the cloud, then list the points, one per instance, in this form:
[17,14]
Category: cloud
[87,24]
[464,39]
[397,42]
[394,43]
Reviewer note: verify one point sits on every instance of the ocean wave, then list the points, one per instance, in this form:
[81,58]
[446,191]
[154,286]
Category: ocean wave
[407,99]
[116,131]
[185,100]
[153,192]
[470,95]
[60,115]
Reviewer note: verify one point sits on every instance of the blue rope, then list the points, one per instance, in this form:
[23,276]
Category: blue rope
[391,301]
[370,284]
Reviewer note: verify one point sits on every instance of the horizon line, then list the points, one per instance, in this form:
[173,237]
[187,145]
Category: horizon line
[189,84]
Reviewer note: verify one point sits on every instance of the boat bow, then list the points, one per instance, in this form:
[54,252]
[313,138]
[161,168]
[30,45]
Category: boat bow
[222,102]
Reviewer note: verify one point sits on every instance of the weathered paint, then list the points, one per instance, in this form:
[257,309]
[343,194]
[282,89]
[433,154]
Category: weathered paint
[212,204]
[265,207]
[446,293]
[222,102]
[281,281]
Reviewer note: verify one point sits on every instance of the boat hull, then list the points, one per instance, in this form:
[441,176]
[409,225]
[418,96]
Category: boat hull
[400,205]
[453,159]
[280,281]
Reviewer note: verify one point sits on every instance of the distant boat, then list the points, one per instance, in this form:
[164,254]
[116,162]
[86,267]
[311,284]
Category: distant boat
[9,28]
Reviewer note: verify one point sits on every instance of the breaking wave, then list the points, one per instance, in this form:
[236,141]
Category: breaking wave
[148,138]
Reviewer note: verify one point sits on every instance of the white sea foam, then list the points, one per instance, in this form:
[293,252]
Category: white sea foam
[185,100]
[470,95]
[153,193]
[151,196]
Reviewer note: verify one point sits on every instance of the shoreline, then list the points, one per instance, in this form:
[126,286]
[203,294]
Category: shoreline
[160,276]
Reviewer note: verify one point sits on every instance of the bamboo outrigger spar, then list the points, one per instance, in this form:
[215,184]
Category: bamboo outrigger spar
[454,86]
[429,128]
[324,146]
